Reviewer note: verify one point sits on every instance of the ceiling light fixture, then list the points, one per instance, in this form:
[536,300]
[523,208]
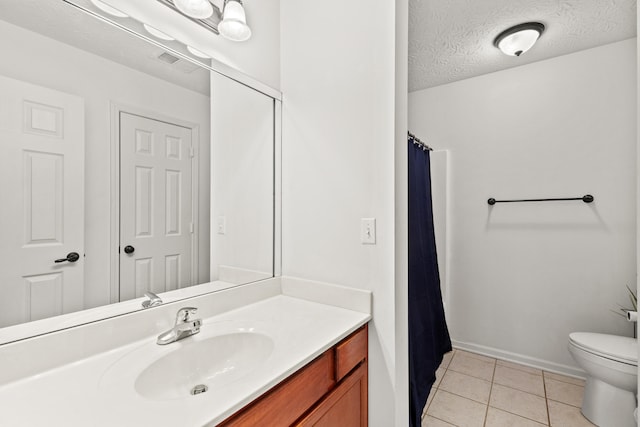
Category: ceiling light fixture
[157,33]
[109,9]
[199,9]
[198,53]
[234,22]
[517,40]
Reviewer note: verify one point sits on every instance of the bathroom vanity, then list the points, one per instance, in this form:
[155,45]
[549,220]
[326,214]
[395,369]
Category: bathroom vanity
[330,391]
[281,351]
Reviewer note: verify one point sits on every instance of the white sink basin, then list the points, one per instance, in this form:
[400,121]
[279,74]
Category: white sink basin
[172,371]
[212,362]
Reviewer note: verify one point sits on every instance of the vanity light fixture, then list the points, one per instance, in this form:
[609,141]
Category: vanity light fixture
[157,33]
[109,9]
[234,22]
[517,40]
[199,9]
[198,53]
[228,17]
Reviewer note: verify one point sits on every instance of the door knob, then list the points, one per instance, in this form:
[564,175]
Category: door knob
[129,249]
[71,257]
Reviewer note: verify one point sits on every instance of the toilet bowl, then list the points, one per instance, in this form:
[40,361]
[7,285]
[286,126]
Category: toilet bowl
[611,364]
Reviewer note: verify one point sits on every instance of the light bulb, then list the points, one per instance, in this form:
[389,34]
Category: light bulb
[199,9]
[157,33]
[234,22]
[109,9]
[198,53]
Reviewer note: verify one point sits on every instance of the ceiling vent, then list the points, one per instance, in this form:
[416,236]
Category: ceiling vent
[168,58]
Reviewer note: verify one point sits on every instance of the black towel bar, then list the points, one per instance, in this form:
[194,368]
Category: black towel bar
[588,198]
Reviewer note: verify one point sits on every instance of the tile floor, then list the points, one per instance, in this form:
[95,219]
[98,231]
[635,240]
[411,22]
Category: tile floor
[473,390]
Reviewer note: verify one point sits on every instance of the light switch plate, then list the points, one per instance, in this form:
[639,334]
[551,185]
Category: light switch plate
[368,231]
[221,225]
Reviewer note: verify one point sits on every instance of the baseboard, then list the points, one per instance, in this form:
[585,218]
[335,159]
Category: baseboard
[520,359]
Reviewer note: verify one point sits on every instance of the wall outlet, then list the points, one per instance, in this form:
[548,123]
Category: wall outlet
[368,231]
[221,225]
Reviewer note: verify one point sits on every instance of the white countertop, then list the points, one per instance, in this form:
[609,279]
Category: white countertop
[99,391]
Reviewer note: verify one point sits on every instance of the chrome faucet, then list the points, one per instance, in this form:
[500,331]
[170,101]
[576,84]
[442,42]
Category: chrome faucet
[184,327]
[153,300]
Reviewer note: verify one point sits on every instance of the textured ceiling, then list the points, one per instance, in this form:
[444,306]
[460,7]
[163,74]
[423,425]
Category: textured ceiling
[60,21]
[451,40]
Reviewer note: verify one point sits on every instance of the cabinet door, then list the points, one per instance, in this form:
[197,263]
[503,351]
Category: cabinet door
[288,401]
[346,406]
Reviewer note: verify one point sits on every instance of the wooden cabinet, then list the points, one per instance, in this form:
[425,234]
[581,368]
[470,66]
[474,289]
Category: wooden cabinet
[330,391]
[350,352]
[345,406]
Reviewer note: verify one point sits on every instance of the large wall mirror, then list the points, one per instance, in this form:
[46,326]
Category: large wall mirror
[127,167]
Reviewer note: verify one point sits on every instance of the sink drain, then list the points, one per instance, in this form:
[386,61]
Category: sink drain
[199,389]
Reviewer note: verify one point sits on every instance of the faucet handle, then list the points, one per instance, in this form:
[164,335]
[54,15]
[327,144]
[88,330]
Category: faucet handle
[153,300]
[185,313]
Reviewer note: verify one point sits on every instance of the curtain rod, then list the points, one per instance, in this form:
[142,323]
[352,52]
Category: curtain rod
[417,141]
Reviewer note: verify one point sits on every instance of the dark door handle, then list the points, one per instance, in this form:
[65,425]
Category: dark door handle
[71,257]
[129,249]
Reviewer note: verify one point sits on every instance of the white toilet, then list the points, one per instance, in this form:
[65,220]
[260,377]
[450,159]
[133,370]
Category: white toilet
[611,363]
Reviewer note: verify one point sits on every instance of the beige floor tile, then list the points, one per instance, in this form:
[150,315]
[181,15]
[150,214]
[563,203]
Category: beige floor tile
[520,380]
[439,374]
[429,399]
[475,367]
[520,367]
[518,402]
[466,386]
[475,356]
[564,378]
[446,359]
[564,392]
[562,415]
[457,410]
[430,421]
[498,418]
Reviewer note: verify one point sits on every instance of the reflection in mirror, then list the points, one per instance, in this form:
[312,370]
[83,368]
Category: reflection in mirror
[106,152]
[242,183]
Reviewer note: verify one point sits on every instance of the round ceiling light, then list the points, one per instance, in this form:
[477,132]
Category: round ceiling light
[517,40]
[199,9]
[234,22]
[109,9]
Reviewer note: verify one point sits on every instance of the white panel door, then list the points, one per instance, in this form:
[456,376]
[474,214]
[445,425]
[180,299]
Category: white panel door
[156,213]
[42,196]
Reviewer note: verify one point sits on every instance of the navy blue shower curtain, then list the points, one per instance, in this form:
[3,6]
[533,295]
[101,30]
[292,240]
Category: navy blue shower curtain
[428,334]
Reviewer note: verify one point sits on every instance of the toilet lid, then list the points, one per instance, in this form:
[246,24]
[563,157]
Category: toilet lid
[623,349]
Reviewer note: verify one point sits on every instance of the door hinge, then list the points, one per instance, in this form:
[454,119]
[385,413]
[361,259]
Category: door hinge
[191,227]
[191,151]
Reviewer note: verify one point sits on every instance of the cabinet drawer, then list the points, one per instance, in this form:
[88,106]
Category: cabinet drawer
[351,351]
[290,399]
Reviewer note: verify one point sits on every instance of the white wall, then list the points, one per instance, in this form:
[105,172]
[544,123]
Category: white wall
[259,57]
[45,62]
[338,81]
[637,173]
[523,276]
[401,214]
